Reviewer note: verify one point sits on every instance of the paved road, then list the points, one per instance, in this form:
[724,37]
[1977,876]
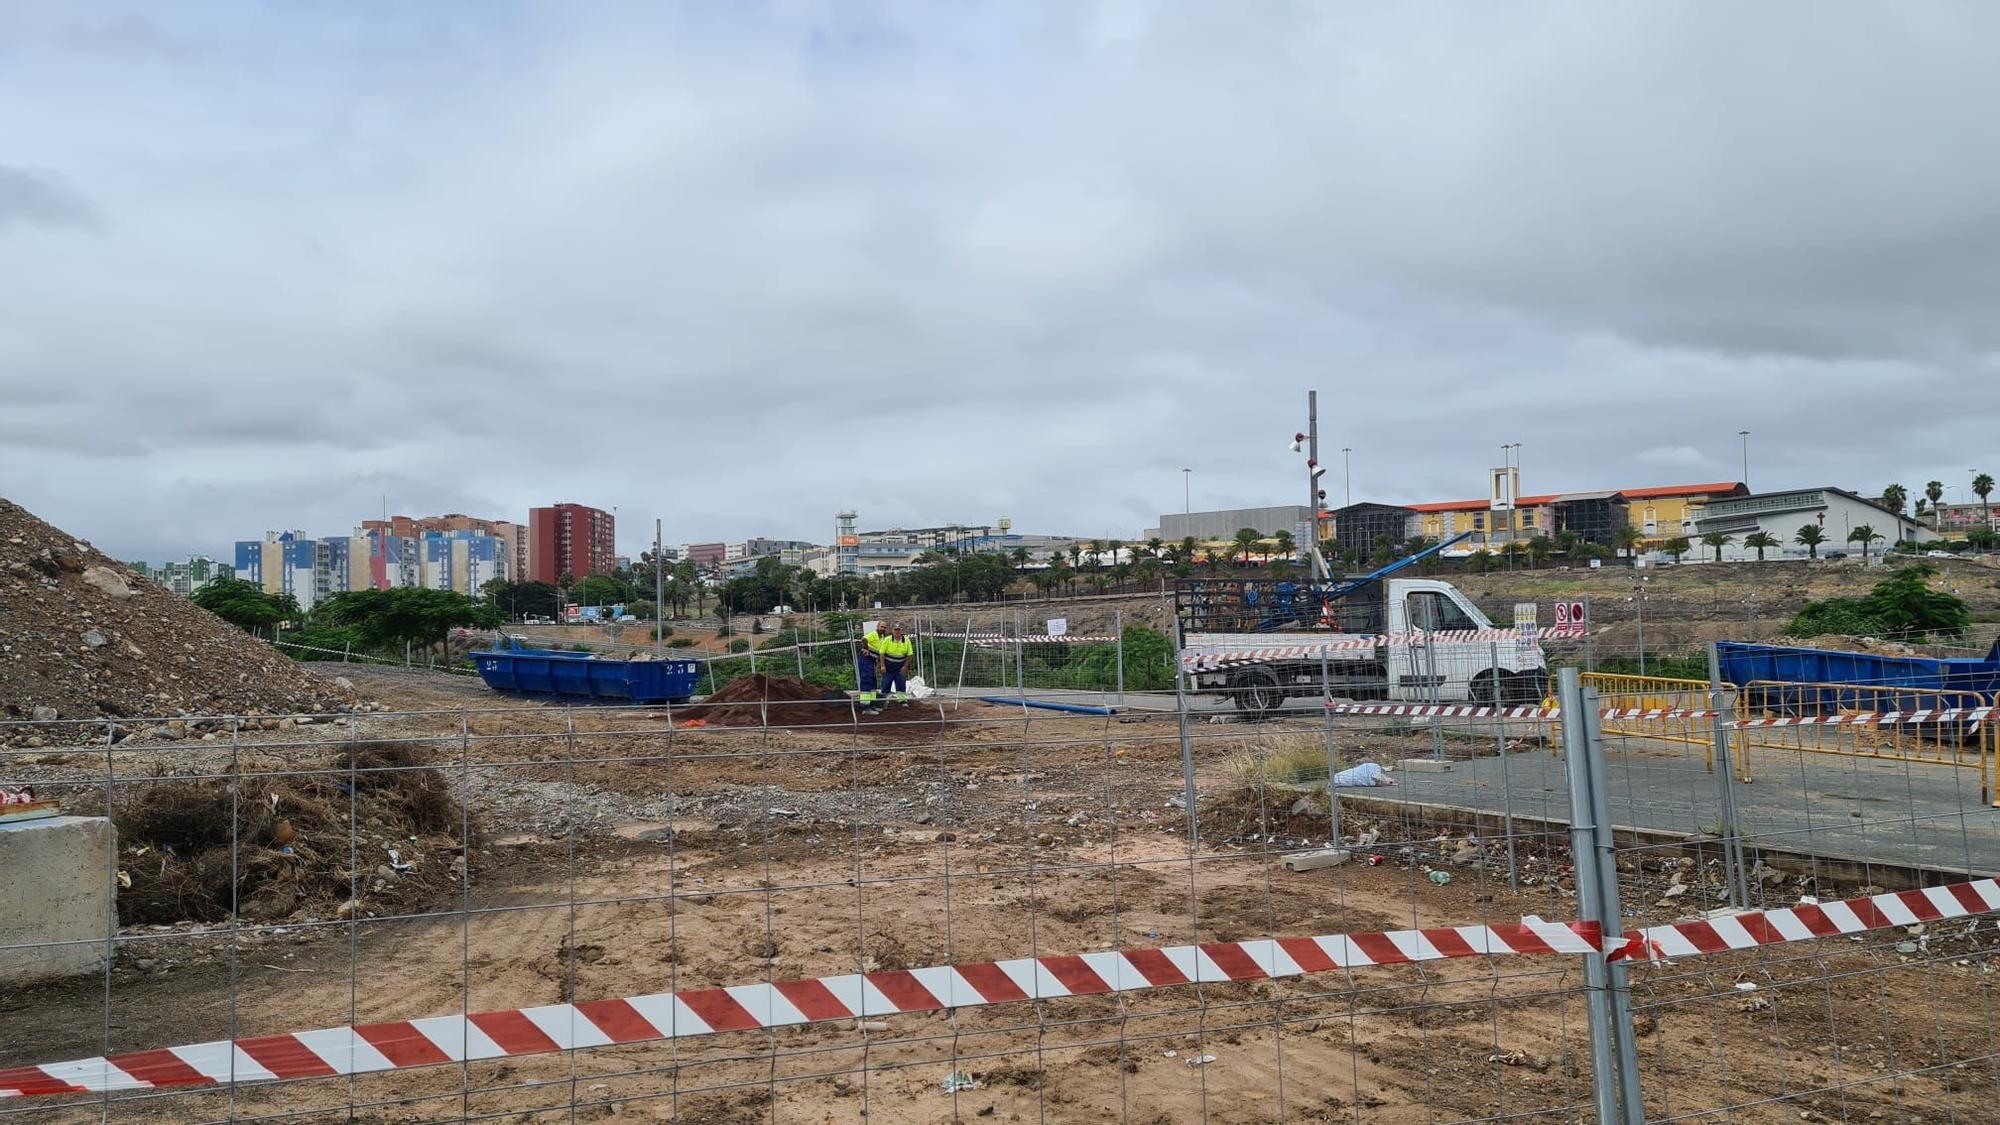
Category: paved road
[1857,808]
[1806,803]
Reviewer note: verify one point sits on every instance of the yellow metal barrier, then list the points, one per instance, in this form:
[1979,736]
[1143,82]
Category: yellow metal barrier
[1959,742]
[1656,693]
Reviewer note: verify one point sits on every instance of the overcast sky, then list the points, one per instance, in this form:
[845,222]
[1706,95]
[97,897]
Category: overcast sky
[741,265]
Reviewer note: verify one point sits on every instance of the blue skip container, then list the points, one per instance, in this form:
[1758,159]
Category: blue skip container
[519,670]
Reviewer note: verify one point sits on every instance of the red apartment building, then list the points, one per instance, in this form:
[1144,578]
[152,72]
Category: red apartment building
[572,539]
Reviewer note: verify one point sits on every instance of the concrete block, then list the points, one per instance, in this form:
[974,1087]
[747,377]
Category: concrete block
[1312,861]
[55,886]
[1423,765]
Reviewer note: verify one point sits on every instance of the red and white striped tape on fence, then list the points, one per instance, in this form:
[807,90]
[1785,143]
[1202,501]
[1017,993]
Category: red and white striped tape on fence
[1811,920]
[1475,711]
[407,1044]
[1211,657]
[992,639]
[636,1019]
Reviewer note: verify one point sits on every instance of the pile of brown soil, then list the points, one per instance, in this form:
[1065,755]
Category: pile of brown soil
[792,702]
[179,842]
[89,638]
[785,701]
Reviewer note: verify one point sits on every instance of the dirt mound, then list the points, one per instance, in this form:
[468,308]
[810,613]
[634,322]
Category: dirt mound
[179,842]
[786,701]
[792,701]
[88,638]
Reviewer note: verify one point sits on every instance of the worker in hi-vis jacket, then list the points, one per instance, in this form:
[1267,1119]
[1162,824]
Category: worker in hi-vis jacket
[867,667]
[896,653]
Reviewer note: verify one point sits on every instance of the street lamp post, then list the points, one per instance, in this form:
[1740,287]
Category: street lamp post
[1347,471]
[1745,435]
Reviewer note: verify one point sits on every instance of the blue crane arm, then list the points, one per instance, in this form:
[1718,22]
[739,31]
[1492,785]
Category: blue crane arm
[1342,589]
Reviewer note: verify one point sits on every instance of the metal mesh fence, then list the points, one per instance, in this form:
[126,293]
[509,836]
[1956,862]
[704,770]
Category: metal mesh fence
[785,910]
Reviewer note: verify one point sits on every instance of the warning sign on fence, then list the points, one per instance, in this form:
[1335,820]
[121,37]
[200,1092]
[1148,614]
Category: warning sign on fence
[1058,626]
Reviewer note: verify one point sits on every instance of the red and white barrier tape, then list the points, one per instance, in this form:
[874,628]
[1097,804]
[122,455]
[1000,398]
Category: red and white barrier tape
[991,639]
[1476,711]
[1210,657]
[1811,920]
[636,1019]
[406,1044]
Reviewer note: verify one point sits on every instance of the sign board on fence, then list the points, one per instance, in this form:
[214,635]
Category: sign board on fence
[870,626]
[1525,629]
[1058,626]
[1569,614]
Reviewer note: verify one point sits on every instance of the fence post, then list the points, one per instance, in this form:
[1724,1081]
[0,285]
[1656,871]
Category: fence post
[1506,783]
[1623,1036]
[1725,785]
[1584,774]
[964,648]
[1187,746]
[1118,618]
[1332,756]
[1020,654]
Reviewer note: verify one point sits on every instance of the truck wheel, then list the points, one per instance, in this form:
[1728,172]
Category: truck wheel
[1527,687]
[1486,687]
[1257,693]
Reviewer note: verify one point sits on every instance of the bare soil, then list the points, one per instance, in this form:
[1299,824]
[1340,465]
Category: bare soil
[778,854]
[84,637]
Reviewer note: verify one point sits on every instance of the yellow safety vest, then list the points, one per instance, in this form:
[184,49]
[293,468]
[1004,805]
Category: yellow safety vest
[873,642]
[897,650]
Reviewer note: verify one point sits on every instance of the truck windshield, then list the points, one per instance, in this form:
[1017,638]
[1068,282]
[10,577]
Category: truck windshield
[1433,610]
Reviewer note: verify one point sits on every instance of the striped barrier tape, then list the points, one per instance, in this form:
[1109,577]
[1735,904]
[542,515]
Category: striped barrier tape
[1211,657]
[408,1044]
[1476,711]
[404,1044]
[991,639]
[1810,920]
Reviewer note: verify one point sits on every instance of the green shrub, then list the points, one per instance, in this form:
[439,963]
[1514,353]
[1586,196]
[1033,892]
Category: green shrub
[740,644]
[680,642]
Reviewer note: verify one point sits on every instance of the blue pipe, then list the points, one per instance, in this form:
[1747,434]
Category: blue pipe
[1071,708]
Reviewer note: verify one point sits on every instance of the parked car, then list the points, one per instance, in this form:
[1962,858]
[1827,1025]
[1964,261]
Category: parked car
[1937,554]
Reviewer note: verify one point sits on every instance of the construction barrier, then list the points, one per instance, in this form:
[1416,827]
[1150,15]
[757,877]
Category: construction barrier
[408,1044]
[1930,726]
[1657,707]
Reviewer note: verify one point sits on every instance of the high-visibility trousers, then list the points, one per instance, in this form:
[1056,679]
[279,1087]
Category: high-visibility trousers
[864,675]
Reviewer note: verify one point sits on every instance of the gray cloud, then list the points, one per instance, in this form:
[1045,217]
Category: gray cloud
[31,197]
[743,267]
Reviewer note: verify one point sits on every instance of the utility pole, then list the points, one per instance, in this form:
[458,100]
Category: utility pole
[1347,471]
[1316,561]
[659,594]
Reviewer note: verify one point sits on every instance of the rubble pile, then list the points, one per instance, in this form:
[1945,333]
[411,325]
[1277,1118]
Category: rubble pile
[84,637]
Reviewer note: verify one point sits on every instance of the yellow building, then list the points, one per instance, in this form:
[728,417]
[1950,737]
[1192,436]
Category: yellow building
[1657,513]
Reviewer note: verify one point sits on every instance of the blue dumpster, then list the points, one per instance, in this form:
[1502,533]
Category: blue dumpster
[516,669]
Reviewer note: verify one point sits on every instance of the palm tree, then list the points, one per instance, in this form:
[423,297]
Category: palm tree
[1155,545]
[1075,555]
[1894,497]
[1716,540]
[1760,540]
[1538,550]
[1566,543]
[1982,487]
[1864,535]
[1626,538]
[1020,557]
[1810,537]
[1678,546]
[1287,544]
[1246,542]
[1188,548]
[1934,492]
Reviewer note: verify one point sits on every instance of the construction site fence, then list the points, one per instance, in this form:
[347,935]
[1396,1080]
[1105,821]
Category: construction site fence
[956,910]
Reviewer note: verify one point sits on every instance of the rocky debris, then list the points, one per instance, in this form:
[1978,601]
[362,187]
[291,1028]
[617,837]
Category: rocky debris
[83,637]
